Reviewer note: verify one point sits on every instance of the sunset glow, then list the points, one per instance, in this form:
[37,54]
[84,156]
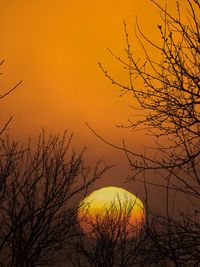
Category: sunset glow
[114,204]
[99,133]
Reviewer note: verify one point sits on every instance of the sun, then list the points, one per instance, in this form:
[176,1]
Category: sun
[111,210]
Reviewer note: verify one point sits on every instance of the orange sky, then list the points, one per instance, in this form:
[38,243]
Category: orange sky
[54,47]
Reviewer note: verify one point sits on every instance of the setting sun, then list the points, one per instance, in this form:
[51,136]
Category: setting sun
[111,206]
[99,133]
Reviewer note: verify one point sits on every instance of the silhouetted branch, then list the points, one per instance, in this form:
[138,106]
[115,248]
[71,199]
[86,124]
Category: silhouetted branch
[169,100]
[38,208]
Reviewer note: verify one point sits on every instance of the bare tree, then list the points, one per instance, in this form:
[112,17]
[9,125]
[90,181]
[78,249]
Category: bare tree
[169,100]
[174,241]
[108,238]
[169,110]
[40,202]
[6,166]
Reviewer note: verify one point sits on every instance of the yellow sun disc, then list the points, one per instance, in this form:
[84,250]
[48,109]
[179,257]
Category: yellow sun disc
[111,207]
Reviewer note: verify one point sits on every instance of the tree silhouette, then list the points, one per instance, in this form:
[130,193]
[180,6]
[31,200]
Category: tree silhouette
[168,109]
[108,238]
[39,204]
[169,100]
[8,158]
[174,241]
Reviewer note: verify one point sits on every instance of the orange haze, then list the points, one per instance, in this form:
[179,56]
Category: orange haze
[54,48]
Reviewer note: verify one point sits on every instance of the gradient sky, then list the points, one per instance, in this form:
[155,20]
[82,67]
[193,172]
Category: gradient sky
[54,48]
